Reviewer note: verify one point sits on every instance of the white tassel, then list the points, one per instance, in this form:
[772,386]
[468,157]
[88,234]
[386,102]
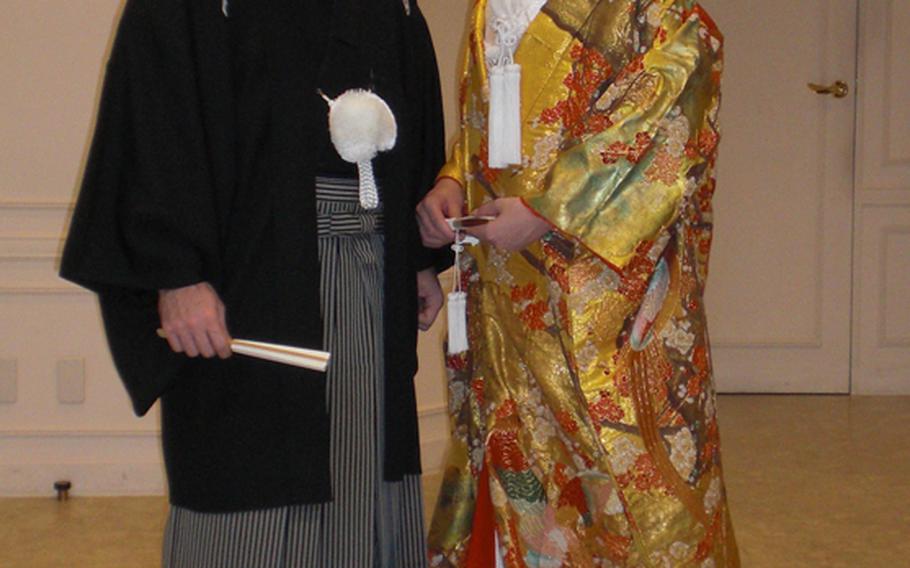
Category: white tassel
[505,116]
[458,322]
[496,158]
[457,308]
[505,93]
[511,132]
[369,195]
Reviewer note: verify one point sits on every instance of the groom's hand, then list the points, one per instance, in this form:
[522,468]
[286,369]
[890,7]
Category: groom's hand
[193,320]
[429,295]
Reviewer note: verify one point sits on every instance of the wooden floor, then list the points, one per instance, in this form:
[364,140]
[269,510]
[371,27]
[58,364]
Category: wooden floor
[821,482]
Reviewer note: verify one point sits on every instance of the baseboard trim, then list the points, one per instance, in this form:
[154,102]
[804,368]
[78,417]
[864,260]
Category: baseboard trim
[128,463]
[88,479]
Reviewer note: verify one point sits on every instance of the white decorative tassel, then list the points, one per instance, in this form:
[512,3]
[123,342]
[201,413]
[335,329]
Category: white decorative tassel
[505,116]
[512,99]
[496,122]
[362,125]
[505,90]
[457,307]
[458,322]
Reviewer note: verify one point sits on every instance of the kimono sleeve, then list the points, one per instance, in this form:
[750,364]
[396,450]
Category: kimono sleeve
[623,185]
[454,168]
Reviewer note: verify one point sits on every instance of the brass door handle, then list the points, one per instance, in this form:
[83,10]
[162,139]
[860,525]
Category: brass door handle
[839,89]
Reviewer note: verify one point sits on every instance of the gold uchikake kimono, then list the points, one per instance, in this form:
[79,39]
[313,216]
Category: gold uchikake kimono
[586,401]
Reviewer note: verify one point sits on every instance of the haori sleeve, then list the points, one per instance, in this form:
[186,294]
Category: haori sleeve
[145,216]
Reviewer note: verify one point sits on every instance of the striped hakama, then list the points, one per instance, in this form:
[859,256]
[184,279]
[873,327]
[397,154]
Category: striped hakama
[370,523]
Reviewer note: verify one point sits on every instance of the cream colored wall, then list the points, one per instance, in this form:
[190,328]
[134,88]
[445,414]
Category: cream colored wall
[446,19]
[63,413]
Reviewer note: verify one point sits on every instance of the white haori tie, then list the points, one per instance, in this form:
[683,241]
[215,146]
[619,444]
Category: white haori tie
[361,125]
[507,22]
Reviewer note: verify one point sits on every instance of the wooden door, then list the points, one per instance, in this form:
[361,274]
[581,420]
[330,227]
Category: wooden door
[779,291]
[881,348]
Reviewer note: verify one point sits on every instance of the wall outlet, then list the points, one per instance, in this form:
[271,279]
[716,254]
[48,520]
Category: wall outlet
[9,381]
[71,381]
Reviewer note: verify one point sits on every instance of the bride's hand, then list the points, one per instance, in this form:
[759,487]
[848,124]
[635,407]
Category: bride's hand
[516,225]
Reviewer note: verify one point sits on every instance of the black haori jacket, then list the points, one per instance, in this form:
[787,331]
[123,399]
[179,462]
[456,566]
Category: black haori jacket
[209,136]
